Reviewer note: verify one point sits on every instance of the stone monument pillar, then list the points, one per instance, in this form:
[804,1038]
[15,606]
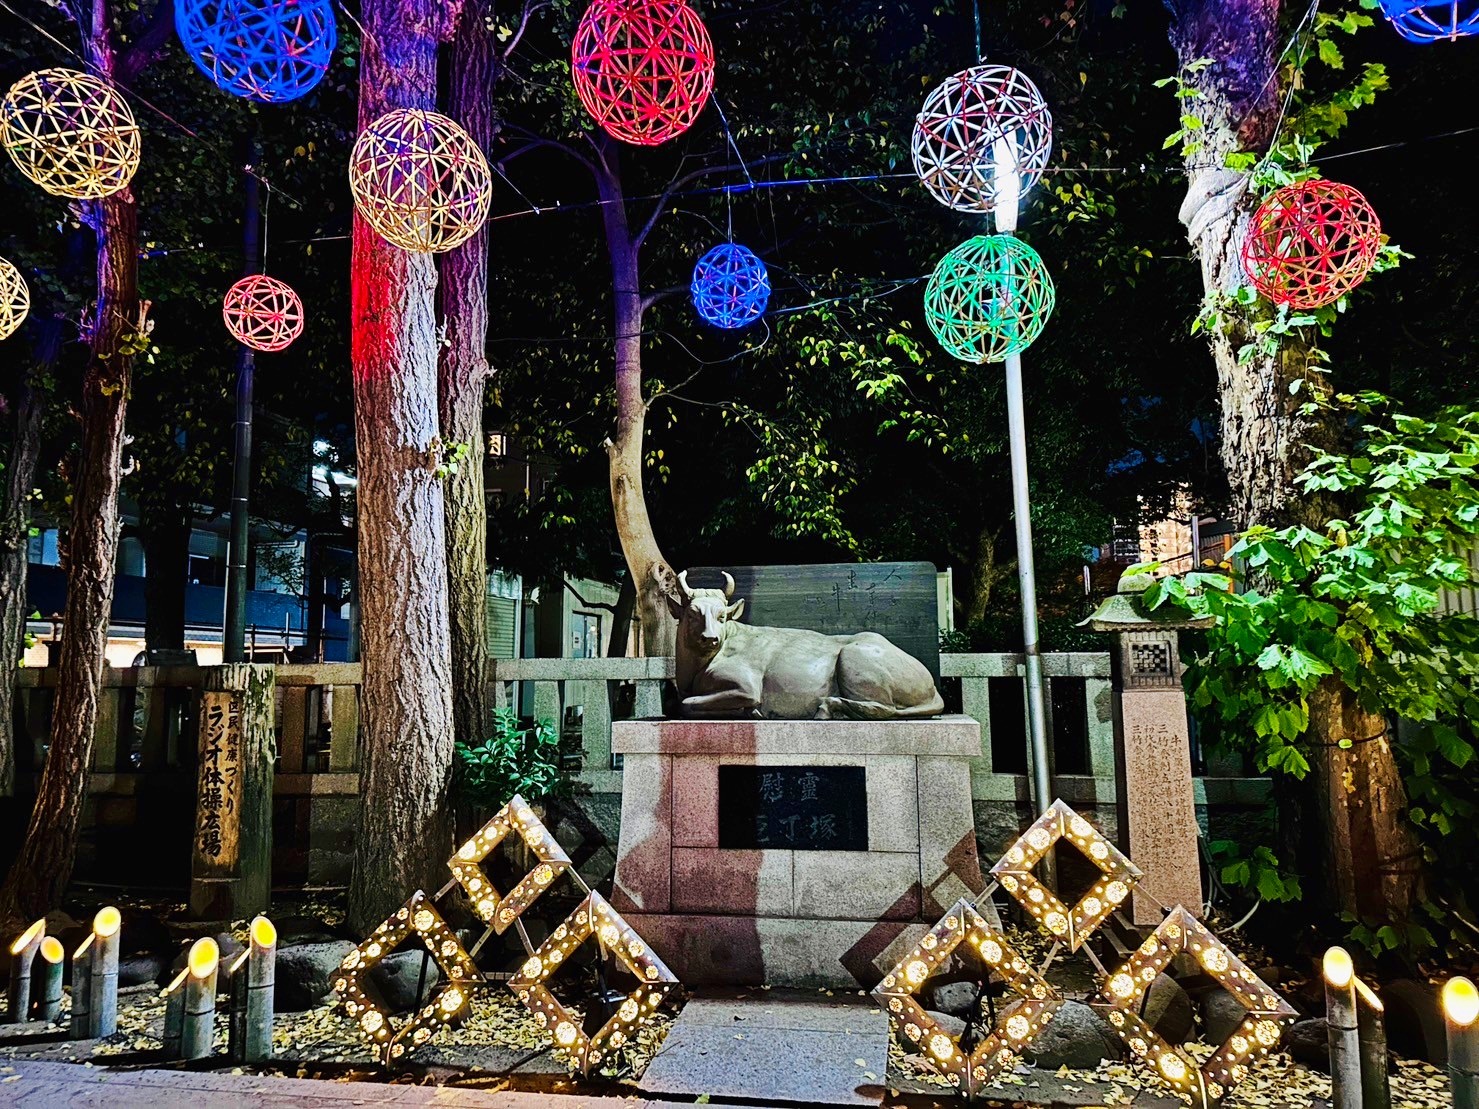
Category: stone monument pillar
[231,859]
[1156,802]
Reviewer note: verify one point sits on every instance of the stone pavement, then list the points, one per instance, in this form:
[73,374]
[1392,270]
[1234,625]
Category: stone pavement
[43,1085]
[774,1046]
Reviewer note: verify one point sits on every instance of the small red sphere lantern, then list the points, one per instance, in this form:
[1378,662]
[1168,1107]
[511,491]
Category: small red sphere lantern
[643,68]
[1310,243]
[263,312]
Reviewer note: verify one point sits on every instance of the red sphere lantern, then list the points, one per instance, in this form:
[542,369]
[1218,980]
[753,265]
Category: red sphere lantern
[643,68]
[263,312]
[1310,243]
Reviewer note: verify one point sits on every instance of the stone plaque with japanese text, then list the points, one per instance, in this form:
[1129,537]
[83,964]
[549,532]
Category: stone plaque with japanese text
[895,599]
[800,808]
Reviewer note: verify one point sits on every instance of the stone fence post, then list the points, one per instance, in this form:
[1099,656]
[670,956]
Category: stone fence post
[231,857]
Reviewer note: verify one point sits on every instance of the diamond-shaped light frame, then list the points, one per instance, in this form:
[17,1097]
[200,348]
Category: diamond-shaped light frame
[499,910]
[592,917]
[1120,999]
[1069,926]
[418,917]
[1015,1028]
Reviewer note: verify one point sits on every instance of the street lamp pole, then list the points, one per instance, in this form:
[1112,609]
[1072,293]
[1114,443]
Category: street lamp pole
[1008,199]
[233,632]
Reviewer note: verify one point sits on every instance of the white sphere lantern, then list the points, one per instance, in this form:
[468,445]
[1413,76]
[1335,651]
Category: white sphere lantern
[967,121]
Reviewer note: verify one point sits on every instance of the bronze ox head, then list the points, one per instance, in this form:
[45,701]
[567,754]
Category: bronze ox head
[702,613]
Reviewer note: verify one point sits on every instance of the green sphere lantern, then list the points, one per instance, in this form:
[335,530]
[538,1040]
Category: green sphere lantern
[988,298]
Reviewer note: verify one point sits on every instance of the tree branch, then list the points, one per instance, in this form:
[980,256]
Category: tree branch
[538,142]
[150,44]
[678,183]
[588,604]
[530,8]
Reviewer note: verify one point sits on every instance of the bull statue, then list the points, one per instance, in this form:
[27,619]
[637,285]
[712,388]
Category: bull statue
[729,669]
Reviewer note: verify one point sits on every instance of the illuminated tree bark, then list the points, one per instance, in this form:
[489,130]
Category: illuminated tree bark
[1370,862]
[405,827]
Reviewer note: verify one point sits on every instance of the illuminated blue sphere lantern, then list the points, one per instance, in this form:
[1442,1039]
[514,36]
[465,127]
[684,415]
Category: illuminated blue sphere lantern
[271,51]
[730,286]
[1432,20]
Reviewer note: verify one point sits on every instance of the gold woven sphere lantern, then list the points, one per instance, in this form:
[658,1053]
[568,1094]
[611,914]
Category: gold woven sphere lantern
[15,299]
[71,133]
[420,180]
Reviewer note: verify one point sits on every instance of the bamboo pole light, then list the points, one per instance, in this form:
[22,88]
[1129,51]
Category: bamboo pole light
[49,996]
[496,909]
[989,297]
[198,1018]
[71,133]
[730,286]
[15,299]
[81,1026]
[103,995]
[1461,1021]
[420,180]
[1017,1025]
[1432,20]
[263,313]
[644,69]
[23,950]
[962,120]
[272,51]
[592,917]
[1311,243]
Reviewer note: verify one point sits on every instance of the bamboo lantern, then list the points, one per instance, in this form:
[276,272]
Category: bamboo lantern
[420,180]
[15,299]
[1376,1085]
[71,133]
[1461,1016]
[103,1011]
[82,989]
[53,957]
[22,957]
[198,1022]
[1342,1029]
[174,1014]
[253,980]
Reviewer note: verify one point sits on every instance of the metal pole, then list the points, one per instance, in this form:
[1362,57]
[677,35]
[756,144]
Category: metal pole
[233,636]
[1008,196]
[1037,729]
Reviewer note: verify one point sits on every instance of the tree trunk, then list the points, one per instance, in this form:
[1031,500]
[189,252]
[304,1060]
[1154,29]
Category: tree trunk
[15,530]
[984,574]
[463,378]
[405,826]
[1263,433]
[40,873]
[165,534]
[650,572]
[1374,865]
[621,619]
[1265,438]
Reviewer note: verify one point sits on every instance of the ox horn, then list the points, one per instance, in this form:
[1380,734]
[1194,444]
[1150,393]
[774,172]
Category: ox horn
[683,585]
[728,586]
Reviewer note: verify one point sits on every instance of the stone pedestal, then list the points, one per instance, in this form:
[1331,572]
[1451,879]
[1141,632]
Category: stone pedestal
[798,915]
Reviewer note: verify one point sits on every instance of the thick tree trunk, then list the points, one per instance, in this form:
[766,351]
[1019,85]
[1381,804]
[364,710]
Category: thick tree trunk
[405,824]
[984,574]
[621,619]
[1263,433]
[165,534]
[1375,860]
[463,379]
[15,528]
[40,873]
[650,572]
[1265,438]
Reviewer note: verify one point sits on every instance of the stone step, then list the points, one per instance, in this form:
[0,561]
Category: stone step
[779,1047]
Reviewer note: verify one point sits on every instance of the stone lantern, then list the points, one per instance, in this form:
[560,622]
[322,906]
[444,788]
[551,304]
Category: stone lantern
[1156,802]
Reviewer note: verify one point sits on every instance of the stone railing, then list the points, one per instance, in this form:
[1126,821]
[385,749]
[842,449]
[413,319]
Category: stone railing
[588,693]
